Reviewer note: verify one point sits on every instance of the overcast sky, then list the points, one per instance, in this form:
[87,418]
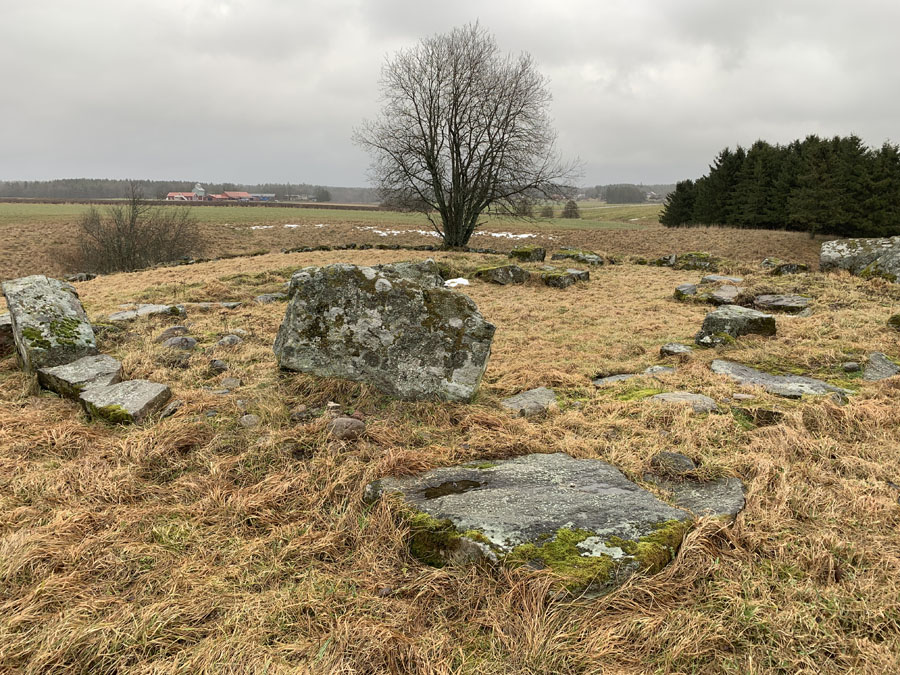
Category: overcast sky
[270,90]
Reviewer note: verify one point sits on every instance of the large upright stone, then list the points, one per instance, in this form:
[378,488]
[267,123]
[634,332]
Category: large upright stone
[409,341]
[734,321]
[865,257]
[71,379]
[581,517]
[49,325]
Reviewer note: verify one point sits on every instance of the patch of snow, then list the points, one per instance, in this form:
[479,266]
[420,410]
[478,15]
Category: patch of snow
[292,225]
[505,235]
[453,283]
[261,227]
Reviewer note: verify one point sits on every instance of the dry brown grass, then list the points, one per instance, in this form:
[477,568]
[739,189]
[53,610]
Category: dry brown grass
[195,545]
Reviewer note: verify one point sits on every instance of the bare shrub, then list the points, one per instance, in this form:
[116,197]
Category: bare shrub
[570,210]
[135,235]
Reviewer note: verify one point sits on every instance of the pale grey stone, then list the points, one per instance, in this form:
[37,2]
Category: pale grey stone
[249,421]
[530,500]
[659,370]
[147,310]
[217,366]
[531,402]
[719,278]
[125,402]
[672,463]
[734,321]
[877,256]
[698,402]
[424,273]
[49,326]
[407,340]
[71,379]
[181,342]
[721,498]
[503,274]
[231,382]
[229,341]
[851,367]
[792,304]
[674,349]
[724,295]
[789,386]
[612,379]
[171,409]
[685,291]
[346,428]
[879,367]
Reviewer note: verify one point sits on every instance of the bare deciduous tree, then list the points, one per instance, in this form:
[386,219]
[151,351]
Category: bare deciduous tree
[464,131]
[135,235]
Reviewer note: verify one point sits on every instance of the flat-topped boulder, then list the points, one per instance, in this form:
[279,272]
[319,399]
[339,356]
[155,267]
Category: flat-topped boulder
[563,278]
[733,321]
[70,379]
[791,304]
[879,367]
[789,386]
[528,254]
[720,279]
[126,402]
[697,402]
[686,292]
[48,323]
[407,340]
[531,402]
[147,310]
[864,257]
[578,255]
[726,294]
[580,517]
[503,274]
[7,342]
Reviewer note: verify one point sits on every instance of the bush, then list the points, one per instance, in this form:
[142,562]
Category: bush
[547,211]
[135,235]
[570,210]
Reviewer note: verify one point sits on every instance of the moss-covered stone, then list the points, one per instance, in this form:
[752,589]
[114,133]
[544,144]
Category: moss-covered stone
[528,253]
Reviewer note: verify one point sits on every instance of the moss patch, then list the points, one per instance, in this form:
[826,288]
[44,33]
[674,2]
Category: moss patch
[561,554]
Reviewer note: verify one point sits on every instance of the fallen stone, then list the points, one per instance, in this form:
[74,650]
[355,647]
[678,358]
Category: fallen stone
[792,304]
[503,274]
[563,279]
[789,386]
[724,295]
[217,367]
[267,298]
[528,253]
[70,379]
[7,343]
[612,379]
[231,382]
[125,402]
[734,321]
[674,349]
[147,310]
[672,464]
[696,261]
[249,421]
[408,341]
[851,367]
[685,291]
[48,323]
[789,268]
[742,397]
[230,305]
[181,342]
[532,402]
[229,341]
[718,278]
[346,428]
[699,402]
[170,332]
[864,257]
[581,517]
[578,255]
[879,367]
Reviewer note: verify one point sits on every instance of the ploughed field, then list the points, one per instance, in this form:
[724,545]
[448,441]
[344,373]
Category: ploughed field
[197,544]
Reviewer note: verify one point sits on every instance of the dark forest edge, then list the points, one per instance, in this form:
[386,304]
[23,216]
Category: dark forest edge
[834,186]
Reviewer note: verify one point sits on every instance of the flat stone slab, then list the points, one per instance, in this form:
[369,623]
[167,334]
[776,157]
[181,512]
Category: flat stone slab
[734,321]
[71,379]
[267,298]
[532,402]
[720,279]
[147,310]
[789,386]
[7,343]
[503,274]
[581,517]
[125,402]
[578,255]
[48,323]
[698,402]
[612,379]
[528,254]
[879,367]
[563,278]
[724,295]
[407,340]
[720,498]
[792,304]
[675,349]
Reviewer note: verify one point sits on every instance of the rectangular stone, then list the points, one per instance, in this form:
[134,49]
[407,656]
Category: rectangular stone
[71,379]
[125,402]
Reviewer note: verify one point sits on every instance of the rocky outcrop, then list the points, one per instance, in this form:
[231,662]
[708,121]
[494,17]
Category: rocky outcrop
[580,517]
[732,321]
[531,402]
[71,379]
[503,274]
[528,254]
[48,323]
[408,341]
[126,402]
[864,257]
[789,386]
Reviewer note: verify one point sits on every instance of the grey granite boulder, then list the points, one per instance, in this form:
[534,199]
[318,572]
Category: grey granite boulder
[791,304]
[720,279]
[346,428]
[531,402]
[184,342]
[528,254]
[147,310]
[675,349]
[503,274]
[865,257]
[408,341]
[698,402]
[580,517]
[425,273]
[789,386]
[672,464]
[125,402]
[563,278]
[48,323]
[686,292]
[578,255]
[734,321]
[229,341]
[71,379]
[7,343]
[879,367]
[725,294]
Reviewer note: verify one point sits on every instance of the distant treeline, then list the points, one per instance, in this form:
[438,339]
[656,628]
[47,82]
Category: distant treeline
[628,193]
[96,188]
[821,186]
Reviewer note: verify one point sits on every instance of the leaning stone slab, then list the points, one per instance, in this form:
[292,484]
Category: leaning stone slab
[532,402]
[503,274]
[125,402]
[580,517]
[408,341]
[7,343]
[734,321]
[49,325]
[147,310]
[698,402]
[879,367]
[578,255]
[791,304]
[789,386]
[71,379]
[528,254]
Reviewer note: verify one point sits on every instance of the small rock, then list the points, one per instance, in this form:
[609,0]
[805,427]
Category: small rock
[231,382]
[720,279]
[171,409]
[724,295]
[249,421]
[333,409]
[181,342]
[229,341]
[672,464]
[528,253]
[170,332]
[761,417]
[675,349]
[346,428]
[685,291]
[742,397]
[503,274]
[839,398]
[147,310]
[699,402]
[563,279]
[851,367]
[734,321]
[230,305]
[81,276]
[240,332]
[659,370]
[303,413]
[217,367]
[532,402]
[879,367]
[385,592]
[267,298]
[578,255]
[73,378]
[791,304]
